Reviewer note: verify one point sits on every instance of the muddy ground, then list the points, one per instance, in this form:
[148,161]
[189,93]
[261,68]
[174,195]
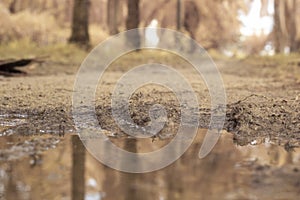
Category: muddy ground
[263,98]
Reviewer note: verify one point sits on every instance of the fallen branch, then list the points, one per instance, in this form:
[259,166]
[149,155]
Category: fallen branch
[8,67]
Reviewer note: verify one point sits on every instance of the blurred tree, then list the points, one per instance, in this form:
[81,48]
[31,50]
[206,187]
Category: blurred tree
[191,18]
[149,14]
[279,26]
[291,15]
[67,11]
[133,18]
[179,11]
[191,21]
[264,8]
[219,23]
[133,21]
[112,16]
[80,23]
[12,6]
[285,25]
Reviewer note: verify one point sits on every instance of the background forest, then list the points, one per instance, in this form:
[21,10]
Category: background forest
[233,27]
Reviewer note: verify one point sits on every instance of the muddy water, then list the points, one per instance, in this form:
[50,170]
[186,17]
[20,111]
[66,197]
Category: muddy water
[47,167]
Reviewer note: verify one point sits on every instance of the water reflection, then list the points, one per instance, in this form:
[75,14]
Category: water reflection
[78,169]
[229,172]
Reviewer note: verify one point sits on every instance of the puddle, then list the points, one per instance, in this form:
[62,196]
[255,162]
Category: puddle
[8,121]
[33,124]
[59,168]
[15,148]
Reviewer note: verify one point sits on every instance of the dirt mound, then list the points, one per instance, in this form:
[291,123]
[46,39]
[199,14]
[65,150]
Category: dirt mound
[258,118]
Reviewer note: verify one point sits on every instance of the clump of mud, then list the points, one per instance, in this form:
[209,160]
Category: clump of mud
[139,105]
[259,118]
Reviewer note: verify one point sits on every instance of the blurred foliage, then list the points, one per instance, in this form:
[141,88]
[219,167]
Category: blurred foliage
[49,21]
[42,20]
[218,25]
[32,26]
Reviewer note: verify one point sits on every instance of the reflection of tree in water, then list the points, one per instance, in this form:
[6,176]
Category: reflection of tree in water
[78,168]
[173,177]
[136,186]
[128,181]
[118,185]
[192,178]
[110,182]
[11,192]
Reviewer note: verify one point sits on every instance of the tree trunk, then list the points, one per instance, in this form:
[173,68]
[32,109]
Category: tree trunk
[279,26]
[112,16]
[12,7]
[68,11]
[132,22]
[133,18]
[291,12]
[80,23]
[264,8]
[178,15]
[191,21]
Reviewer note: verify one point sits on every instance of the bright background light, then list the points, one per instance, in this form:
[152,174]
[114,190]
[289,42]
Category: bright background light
[152,38]
[253,23]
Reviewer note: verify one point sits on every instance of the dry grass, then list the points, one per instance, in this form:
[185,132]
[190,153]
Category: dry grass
[37,27]
[41,28]
[33,34]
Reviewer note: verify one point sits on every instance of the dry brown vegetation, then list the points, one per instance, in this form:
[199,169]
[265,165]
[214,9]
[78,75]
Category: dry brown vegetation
[49,21]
